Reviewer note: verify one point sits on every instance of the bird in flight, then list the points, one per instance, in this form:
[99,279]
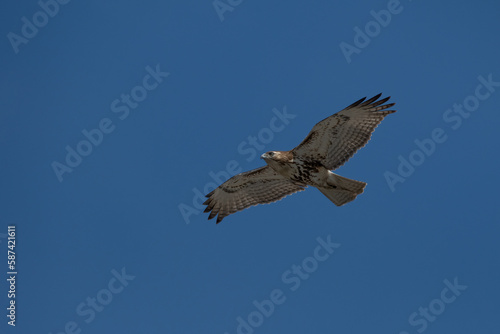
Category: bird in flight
[328,146]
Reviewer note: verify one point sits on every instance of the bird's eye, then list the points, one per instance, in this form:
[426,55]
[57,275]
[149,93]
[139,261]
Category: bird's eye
[271,154]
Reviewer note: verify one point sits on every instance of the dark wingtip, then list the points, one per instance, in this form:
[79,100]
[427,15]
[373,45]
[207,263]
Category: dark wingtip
[356,103]
[212,214]
[387,98]
[370,101]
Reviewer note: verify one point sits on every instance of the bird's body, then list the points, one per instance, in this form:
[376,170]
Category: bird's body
[328,146]
[338,189]
[311,173]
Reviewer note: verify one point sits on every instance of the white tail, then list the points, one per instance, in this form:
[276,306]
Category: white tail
[342,190]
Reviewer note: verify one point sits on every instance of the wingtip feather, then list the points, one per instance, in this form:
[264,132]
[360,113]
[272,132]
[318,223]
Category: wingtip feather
[355,104]
[369,101]
[212,214]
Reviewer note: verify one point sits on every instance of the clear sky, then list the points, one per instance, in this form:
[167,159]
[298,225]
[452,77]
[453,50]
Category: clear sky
[116,118]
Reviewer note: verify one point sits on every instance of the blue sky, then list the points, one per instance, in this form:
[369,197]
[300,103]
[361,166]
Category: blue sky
[161,97]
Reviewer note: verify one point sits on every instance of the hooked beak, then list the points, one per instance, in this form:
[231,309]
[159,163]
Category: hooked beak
[263,156]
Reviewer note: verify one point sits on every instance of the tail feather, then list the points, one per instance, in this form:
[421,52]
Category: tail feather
[343,190]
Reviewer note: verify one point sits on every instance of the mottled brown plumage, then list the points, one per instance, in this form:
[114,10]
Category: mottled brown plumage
[328,146]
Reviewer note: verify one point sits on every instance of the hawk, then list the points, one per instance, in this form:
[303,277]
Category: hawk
[328,146]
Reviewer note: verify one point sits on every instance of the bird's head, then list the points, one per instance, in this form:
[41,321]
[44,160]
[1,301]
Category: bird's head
[268,155]
[277,156]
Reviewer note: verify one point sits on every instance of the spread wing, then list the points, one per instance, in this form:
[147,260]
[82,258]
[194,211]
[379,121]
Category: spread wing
[258,186]
[337,138]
